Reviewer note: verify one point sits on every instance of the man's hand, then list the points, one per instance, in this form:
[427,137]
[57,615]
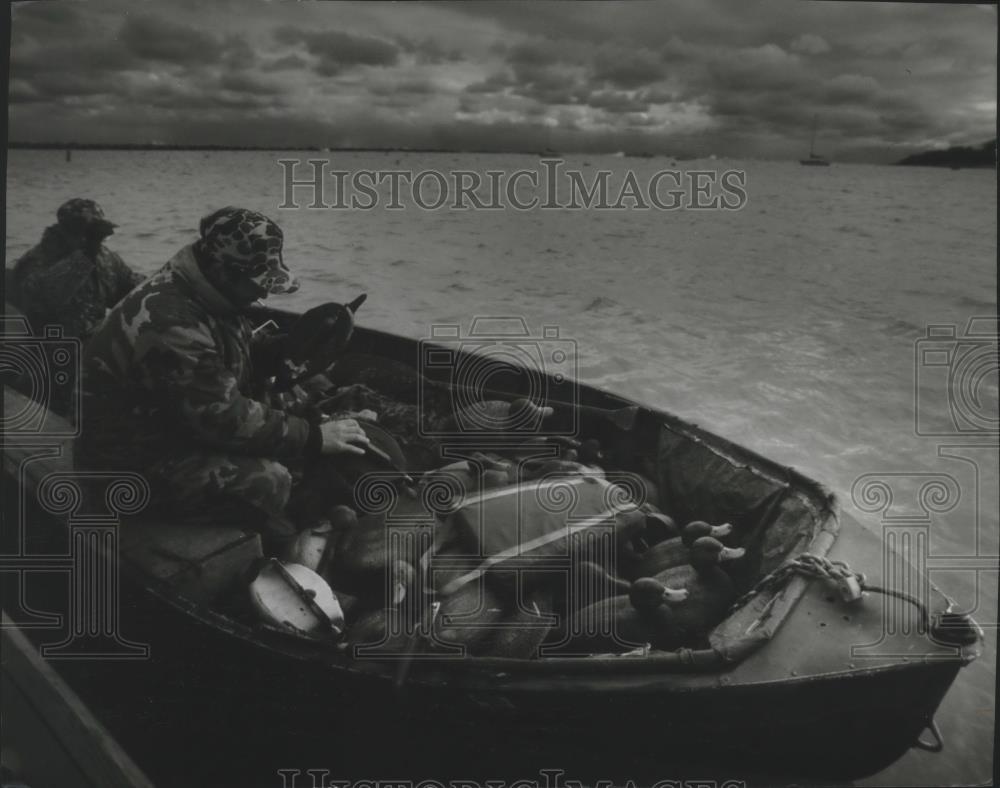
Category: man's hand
[343,436]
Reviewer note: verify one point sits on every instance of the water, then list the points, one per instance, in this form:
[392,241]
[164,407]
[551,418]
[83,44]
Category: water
[791,326]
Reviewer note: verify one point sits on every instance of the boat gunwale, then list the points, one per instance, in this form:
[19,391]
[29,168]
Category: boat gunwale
[506,674]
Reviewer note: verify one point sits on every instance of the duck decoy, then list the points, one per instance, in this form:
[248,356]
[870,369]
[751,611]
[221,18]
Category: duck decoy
[675,551]
[467,616]
[637,529]
[522,631]
[586,584]
[384,623]
[710,590]
[626,622]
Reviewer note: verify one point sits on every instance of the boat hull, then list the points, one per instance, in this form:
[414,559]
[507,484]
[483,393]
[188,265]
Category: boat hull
[295,712]
[840,691]
[807,705]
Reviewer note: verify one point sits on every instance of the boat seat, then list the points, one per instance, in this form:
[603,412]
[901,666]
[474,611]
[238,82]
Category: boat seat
[200,562]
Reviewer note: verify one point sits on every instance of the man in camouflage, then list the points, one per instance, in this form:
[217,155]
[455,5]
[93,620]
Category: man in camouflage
[172,382]
[70,278]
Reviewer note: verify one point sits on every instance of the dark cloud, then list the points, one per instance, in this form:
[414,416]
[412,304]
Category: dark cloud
[809,44]
[74,84]
[286,62]
[237,53]
[849,88]
[68,57]
[759,69]
[552,87]
[427,50]
[640,119]
[159,39]
[533,53]
[495,83]
[659,95]
[45,19]
[548,81]
[247,83]
[171,96]
[339,51]
[628,67]
[23,92]
[411,86]
[693,76]
[616,101]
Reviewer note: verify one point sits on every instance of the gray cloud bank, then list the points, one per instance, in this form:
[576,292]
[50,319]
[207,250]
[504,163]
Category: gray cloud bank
[682,78]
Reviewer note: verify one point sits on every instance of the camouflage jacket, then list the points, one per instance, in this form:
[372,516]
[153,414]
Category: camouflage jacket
[59,284]
[172,369]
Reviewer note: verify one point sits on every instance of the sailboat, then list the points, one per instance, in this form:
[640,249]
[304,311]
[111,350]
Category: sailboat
[814,160]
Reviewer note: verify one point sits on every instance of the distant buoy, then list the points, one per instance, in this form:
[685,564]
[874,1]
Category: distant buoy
[69,155]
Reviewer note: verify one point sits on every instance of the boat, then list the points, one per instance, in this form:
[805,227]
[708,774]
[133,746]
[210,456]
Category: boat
[50,736]
[814,159]
[801,680]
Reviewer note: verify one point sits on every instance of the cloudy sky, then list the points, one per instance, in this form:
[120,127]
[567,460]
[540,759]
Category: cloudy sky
[686,77]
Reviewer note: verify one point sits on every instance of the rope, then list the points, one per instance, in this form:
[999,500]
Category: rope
[839,572]
[924,618]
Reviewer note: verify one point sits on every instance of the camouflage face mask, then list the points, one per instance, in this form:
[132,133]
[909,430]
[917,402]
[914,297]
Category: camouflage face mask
[81,216]
[247,244]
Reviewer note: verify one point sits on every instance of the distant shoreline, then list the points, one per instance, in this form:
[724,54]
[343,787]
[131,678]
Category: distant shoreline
[310,148]
[981,156]
[978,157]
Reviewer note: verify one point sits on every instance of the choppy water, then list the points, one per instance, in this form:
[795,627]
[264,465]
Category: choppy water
[791,326]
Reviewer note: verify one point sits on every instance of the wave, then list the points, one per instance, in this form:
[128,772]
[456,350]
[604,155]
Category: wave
[851,229]
[977,303]
[601,302]
[903,328]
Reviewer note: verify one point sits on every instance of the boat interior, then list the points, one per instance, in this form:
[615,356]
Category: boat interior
[684,472]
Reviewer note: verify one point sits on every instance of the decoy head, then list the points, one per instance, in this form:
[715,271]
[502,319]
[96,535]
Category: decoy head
[699,528]
[630,523]
[722,531]
[659,527]
[343,518]
[648,593]
[708,551]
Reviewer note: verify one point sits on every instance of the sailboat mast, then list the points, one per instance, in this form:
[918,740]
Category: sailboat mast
[814,160]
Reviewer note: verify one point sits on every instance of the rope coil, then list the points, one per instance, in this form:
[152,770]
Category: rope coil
[850,584]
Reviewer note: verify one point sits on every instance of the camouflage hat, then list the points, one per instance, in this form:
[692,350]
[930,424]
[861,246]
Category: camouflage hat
[249,244]
[79,212]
